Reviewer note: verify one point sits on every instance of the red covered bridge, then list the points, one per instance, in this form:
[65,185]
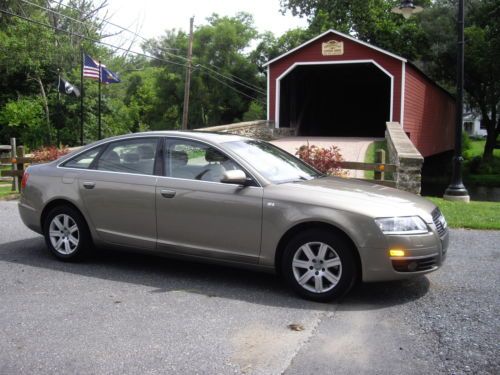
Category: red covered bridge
[336,85]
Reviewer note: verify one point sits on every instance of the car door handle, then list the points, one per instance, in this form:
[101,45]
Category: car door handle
[166,193]
[89,185]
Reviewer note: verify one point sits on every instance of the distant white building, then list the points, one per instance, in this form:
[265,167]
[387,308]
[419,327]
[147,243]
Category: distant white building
[473,125]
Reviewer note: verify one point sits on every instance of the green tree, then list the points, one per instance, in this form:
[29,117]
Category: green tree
[223,78]
[369,20]
[25,117]
[482,53]
[270,46]
[255,112]
[33,55]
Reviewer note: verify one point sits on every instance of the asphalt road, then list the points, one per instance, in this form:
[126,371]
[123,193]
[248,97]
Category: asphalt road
[127,313]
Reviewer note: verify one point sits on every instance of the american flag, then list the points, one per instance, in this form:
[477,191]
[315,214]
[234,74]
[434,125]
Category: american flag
[90,67]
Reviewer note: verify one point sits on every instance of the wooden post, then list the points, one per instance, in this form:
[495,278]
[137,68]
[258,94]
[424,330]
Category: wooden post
[380,159]
[20,166]
[13,155]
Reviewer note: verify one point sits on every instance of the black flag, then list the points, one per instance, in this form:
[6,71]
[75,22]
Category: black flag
[67,88]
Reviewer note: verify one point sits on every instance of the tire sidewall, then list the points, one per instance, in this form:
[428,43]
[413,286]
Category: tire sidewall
[344,251]
[84,242]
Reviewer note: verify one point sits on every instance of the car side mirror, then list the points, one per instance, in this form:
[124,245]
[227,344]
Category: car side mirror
[237,177]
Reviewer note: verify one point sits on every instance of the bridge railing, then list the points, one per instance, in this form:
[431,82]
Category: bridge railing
[406,157]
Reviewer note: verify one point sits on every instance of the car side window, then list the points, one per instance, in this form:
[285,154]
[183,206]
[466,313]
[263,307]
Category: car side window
[129,156]
[83,160]
[196,161]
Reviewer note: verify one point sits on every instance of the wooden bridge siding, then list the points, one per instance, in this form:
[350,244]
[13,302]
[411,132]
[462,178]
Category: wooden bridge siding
[429,114]
[352,51]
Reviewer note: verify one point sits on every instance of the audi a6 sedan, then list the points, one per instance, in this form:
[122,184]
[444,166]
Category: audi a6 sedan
[233,200]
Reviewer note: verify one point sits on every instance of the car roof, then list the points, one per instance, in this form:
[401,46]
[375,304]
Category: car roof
[198,135]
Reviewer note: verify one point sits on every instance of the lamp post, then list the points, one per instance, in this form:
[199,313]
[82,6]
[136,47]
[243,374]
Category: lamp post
[456,191]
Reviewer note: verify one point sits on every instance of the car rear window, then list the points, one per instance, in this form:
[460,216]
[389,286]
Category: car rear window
[83,160]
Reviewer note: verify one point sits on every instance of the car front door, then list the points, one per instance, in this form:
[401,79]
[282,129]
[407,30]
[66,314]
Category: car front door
[119,192]
[197,214]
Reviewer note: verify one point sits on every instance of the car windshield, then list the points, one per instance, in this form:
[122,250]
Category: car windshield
[272,162]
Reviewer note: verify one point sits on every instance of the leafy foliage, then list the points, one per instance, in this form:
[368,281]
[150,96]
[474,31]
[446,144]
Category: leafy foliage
[151,93]
[325,160]
[50,153]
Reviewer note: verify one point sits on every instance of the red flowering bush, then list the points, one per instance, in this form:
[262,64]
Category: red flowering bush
[46,154]
[325,160]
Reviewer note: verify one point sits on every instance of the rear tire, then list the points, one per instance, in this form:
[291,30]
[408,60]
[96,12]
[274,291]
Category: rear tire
[319,265]
[66,234]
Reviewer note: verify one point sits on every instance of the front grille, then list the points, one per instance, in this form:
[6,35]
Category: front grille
[439,222]
[414,265]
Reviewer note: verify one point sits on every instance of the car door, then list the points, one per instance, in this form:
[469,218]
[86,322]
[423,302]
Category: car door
[199,215]
[118,192]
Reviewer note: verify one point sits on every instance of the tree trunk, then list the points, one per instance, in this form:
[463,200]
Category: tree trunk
[46,108]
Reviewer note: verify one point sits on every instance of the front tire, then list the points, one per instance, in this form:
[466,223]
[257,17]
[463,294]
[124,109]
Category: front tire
[66,234]
[319,265]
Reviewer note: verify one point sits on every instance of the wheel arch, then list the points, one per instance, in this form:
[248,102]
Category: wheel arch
[314,225]
[56,203]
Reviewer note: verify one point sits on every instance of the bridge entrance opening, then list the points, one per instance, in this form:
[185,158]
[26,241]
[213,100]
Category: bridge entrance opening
[343,100]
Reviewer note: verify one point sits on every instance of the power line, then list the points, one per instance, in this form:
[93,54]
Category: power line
[227,76]
[260,91]
[119,48]
[97,18]
[241,92]
[86,37]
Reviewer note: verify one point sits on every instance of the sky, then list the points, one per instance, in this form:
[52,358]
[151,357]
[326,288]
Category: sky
[150,18]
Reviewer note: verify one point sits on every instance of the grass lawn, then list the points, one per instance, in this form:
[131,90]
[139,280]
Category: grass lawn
[477,149]
[370,157]
[6,192]
[473,215]
[481,174]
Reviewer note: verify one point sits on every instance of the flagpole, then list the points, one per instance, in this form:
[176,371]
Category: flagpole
[99,104]
[81,98]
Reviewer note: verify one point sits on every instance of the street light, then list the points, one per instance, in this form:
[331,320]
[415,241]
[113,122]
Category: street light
[406,8]
[456,191]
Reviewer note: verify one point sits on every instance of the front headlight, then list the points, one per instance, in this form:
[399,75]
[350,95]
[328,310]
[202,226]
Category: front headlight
[402,225]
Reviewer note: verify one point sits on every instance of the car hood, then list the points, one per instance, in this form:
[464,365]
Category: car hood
[358,196]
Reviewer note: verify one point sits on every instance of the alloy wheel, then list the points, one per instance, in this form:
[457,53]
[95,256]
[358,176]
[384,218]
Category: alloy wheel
[317,267]
[64,234]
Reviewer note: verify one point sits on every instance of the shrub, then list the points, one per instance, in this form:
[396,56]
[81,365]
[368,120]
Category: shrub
[466,142]
[325,160]
[475,164]
[50,153]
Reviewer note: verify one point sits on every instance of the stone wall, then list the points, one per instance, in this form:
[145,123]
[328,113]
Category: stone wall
[260,129]
[405,156]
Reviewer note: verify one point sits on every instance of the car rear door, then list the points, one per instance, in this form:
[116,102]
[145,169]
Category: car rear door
[199,215]
[119,192]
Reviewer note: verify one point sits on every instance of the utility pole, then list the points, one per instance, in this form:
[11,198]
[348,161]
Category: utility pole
[187,83]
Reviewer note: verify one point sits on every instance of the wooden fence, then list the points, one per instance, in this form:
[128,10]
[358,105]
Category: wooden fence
[17,160]
[380,168]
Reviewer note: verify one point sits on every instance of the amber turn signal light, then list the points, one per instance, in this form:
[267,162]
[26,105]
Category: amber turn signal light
[396,253]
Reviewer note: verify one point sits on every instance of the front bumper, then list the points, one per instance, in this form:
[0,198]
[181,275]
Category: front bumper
[423,254]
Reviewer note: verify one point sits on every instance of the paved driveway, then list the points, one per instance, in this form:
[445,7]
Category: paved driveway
[351,148]
[122,313]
